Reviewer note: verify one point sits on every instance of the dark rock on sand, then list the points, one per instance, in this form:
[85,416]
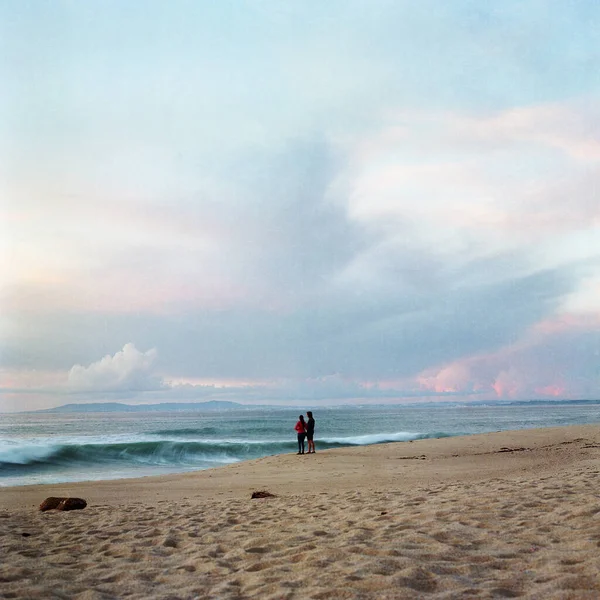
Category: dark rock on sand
[52,503]
[263,494]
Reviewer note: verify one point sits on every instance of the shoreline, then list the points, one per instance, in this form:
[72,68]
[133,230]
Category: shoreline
[506,514]
[470,456]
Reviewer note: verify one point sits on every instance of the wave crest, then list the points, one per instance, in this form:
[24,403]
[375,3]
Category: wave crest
[30,458]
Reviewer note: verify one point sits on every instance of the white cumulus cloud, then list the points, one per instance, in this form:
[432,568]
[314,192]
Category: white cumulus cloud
[127,370]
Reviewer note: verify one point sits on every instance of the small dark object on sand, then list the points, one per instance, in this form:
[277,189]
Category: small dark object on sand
[63,504]
[263,494]
[25,534]
[72,504]
[50,503]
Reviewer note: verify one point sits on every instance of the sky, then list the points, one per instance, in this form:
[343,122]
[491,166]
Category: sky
[299,202]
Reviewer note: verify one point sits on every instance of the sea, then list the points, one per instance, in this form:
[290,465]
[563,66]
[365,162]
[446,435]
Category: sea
[45,447]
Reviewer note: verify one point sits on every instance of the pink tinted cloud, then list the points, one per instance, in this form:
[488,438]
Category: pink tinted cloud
[452,378]
[565,322]
[541,365]
[555,390]
[30,378]
[121,257]
[568,127]
[120,293]
[453,168]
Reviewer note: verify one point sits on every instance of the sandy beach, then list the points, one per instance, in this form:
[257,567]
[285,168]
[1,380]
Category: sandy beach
[501,515]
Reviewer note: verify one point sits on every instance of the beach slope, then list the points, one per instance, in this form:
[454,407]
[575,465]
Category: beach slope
[499,515]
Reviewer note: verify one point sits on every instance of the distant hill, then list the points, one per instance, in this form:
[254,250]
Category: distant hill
[164,406]
[216,405]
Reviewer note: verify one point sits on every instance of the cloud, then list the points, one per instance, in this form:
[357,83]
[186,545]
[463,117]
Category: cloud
[377,208]
[557,357]
[569,127]
[271,276]
[127,370]
[127,377]
[475,335]
[361,330]
[499,174]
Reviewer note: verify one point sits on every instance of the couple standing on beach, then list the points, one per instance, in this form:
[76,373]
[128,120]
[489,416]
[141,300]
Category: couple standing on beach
[306,429]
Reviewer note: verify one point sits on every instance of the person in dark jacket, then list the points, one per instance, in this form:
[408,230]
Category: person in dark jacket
[310,432]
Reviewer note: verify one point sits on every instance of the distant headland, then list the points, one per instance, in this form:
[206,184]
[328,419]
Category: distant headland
[163,406]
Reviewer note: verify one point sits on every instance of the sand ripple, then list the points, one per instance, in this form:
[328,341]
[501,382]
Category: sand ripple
[526,537]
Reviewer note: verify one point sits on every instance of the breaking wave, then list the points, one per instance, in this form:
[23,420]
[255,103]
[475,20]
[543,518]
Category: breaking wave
[27,459]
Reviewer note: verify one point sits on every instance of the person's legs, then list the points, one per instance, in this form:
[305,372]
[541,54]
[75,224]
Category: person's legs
[301,442]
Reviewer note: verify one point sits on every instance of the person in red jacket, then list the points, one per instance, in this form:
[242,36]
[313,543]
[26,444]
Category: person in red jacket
[301,431]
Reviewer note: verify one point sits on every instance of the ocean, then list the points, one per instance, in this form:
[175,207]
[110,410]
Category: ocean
[58,447]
